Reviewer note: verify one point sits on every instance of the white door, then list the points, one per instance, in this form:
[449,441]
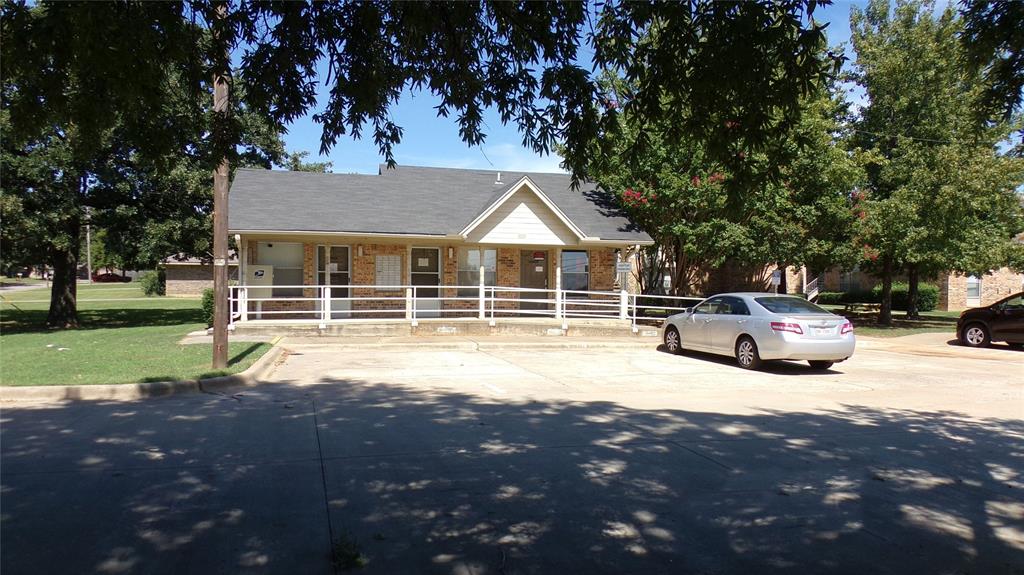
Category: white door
[425,274]
[333,269]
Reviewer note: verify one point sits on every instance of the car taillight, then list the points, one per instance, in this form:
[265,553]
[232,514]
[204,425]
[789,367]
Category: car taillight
[847,328]
[783,326]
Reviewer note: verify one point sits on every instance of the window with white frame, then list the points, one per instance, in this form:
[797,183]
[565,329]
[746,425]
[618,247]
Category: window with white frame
[575,271]
[469,270]
[973,288]
[286,257]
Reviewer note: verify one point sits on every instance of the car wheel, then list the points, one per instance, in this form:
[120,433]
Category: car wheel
[822,365]
[672,342]
[975,335]
[746,353]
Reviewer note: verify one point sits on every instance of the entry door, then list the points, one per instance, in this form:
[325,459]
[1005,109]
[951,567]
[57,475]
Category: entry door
[425,270]
[533,273]
[332,268]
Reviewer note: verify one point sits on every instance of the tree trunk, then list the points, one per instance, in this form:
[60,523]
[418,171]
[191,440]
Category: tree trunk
[912,281]
[885,314]
[64,293]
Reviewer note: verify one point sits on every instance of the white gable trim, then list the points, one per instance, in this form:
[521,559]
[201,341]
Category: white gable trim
[527,183]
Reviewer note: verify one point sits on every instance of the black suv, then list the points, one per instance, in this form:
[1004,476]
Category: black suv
[1001,321]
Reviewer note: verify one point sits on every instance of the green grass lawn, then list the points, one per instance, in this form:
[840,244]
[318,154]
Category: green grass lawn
[118,342]
[931,322]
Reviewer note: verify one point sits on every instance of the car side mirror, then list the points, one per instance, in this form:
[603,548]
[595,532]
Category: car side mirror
[688,310]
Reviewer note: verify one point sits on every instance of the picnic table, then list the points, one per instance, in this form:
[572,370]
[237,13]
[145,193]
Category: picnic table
[862,307]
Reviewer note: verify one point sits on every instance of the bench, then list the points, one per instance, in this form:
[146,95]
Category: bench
[862,307]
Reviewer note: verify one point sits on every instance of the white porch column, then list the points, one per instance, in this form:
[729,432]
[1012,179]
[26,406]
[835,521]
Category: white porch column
[483,271]
[242,257]
[623,304]
[325,304]
[243,303]
[559,299]
[408,303]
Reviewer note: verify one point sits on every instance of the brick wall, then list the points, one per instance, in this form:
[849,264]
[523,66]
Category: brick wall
[297,306]
[602,269]
[191,280]
[309,269]
[364,272]
[994,287]
[732,277]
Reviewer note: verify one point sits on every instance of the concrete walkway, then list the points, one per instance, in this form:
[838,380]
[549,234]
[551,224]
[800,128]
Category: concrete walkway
[507,461]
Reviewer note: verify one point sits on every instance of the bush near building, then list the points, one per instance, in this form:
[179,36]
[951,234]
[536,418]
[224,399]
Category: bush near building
[927,296]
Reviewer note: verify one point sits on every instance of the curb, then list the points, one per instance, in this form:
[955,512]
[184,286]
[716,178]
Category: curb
[256,372]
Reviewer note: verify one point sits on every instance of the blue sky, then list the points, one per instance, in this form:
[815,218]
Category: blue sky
[432,141]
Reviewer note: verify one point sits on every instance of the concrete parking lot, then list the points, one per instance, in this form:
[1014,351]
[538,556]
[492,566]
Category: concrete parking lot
[493,458]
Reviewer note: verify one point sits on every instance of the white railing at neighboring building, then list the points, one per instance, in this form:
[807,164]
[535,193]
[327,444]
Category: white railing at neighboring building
[324,304]
[811,289]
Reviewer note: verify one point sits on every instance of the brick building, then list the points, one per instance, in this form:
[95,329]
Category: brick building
[188,277]
[444,234]
[956,291]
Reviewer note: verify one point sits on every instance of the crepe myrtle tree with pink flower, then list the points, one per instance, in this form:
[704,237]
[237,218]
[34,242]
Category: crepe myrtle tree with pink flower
[790,204]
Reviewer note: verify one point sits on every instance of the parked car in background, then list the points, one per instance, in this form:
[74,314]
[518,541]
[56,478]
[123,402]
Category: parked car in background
[754,327]
[110,278]
[1001,321]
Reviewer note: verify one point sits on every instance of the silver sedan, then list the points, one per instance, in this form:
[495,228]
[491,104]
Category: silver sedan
[753,327]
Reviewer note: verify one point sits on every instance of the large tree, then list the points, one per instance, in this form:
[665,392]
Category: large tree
[76,75]
[939,194]
[702,214]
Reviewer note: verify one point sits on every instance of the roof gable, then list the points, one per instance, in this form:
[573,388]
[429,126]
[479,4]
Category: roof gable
[523,214]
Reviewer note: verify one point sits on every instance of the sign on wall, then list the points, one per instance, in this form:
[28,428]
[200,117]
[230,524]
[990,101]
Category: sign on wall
[388,271]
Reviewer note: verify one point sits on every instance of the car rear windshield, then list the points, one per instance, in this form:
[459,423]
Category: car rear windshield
[789,305]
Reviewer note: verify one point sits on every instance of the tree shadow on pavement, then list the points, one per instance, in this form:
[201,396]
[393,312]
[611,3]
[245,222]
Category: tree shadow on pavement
[435,481]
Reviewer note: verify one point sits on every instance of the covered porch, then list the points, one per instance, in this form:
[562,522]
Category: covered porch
[325,279]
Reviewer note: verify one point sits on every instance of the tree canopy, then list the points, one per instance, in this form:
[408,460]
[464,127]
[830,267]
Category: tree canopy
[702,215]
[940,195]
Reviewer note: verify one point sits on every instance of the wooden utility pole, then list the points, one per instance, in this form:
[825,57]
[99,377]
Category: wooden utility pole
[221,77]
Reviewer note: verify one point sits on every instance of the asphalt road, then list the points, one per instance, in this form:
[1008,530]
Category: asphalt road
[908,458]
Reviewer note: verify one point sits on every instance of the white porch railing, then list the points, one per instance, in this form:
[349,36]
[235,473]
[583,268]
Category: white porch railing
[324,304]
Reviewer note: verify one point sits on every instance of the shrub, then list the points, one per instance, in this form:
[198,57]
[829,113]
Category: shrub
[830,297]
[153,282]
[208,306]
[927,296]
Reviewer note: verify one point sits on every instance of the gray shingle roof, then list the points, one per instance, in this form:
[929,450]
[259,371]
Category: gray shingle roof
[406,200]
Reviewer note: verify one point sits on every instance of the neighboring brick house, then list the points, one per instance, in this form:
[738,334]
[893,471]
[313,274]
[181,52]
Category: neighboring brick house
[427,227]
[188,277]
[956,291]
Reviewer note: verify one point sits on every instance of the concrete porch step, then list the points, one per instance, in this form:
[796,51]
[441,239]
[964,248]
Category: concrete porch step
[460,327]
